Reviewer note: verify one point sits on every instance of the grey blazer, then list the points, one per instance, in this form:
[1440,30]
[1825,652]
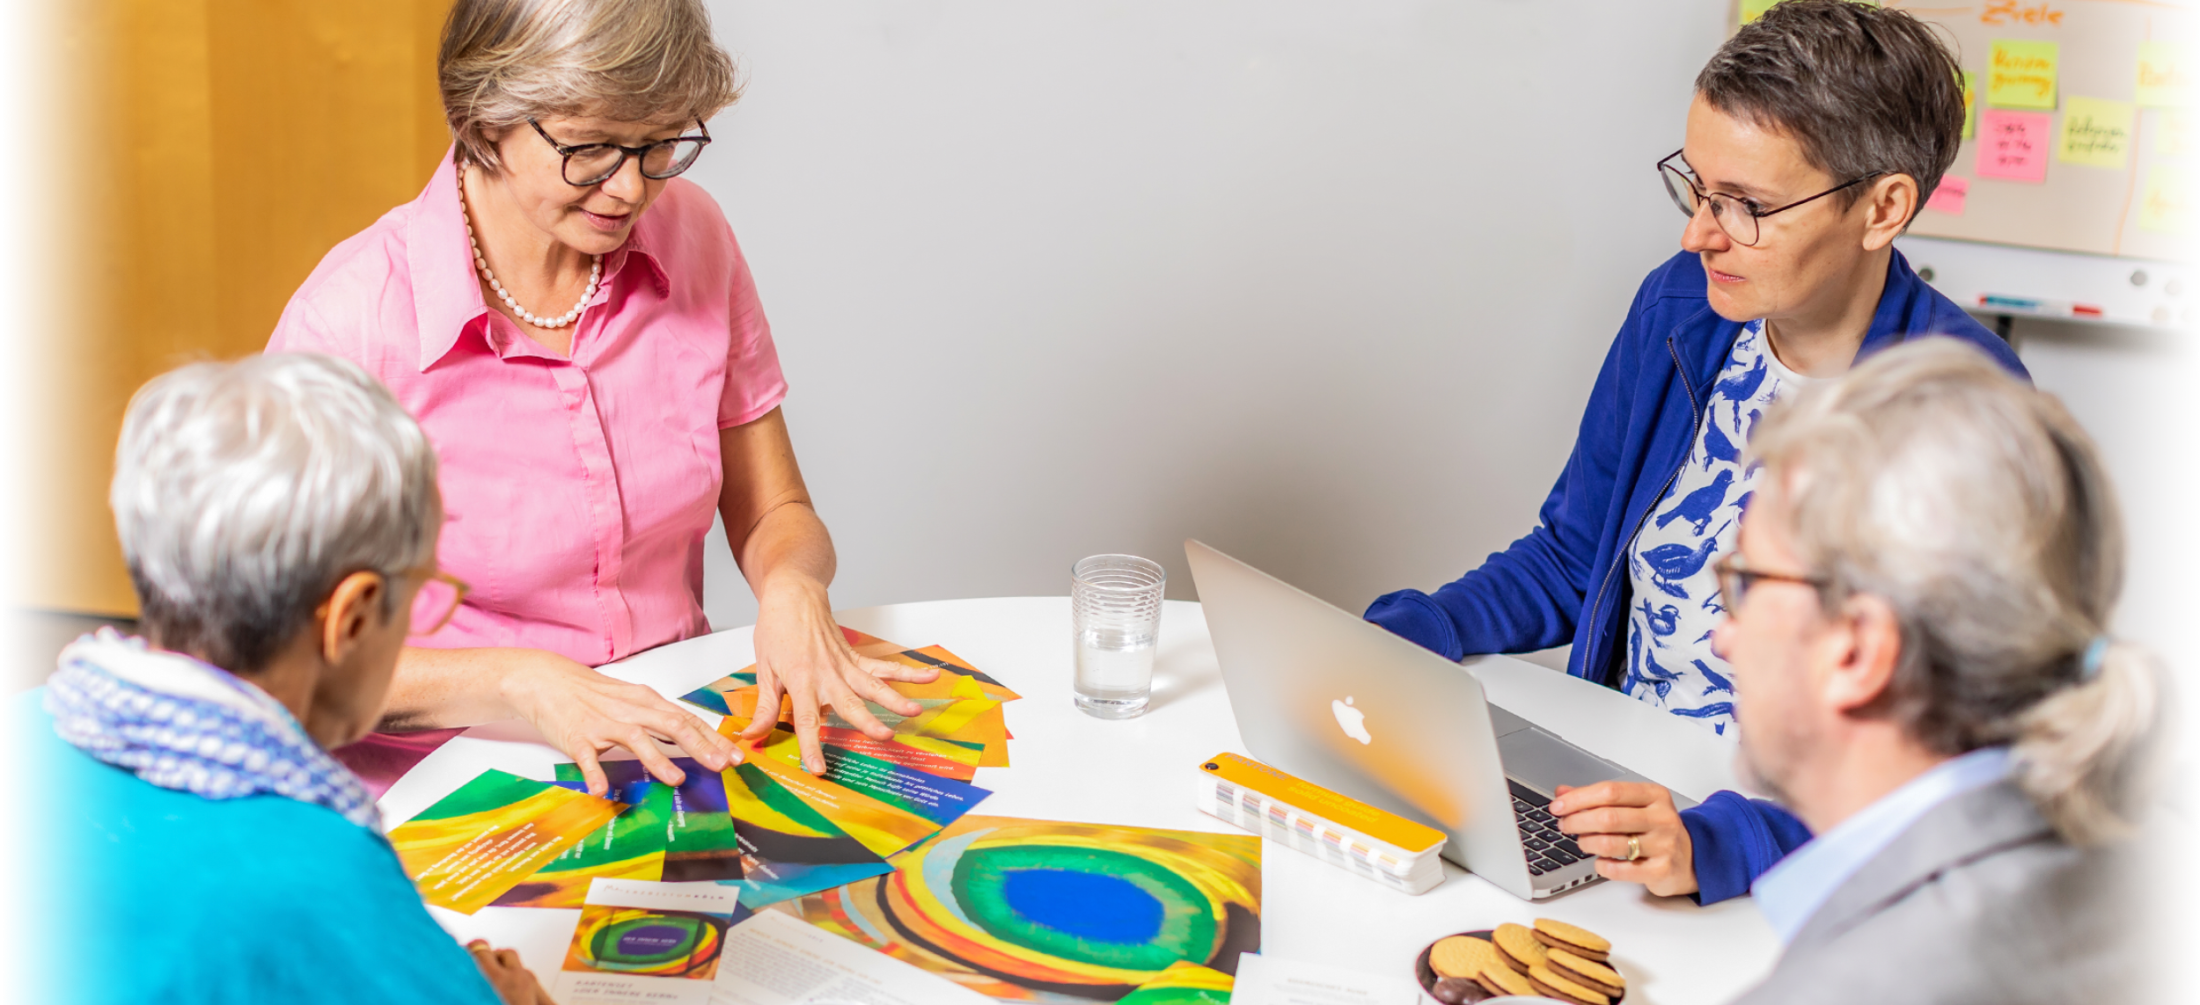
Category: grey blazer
[1979,901]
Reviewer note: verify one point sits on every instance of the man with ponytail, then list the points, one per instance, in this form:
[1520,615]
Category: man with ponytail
[1917,621]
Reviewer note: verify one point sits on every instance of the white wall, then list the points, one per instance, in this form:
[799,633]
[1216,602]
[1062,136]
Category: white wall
[1321,283]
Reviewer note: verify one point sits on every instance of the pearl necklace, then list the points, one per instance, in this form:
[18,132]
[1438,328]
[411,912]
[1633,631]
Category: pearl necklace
[595,272]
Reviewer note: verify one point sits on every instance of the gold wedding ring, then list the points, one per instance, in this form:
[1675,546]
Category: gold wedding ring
[1634,847]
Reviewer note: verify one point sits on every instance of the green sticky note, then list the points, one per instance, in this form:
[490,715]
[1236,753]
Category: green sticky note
[2179,133]
[2095,132]
[2164,81]
[2172,201]
[1970,104]
[2021,74]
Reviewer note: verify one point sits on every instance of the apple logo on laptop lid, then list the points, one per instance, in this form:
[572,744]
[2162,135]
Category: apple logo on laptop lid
[1351,720]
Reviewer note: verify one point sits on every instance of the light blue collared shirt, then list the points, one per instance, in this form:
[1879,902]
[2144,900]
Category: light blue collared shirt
[1793,890]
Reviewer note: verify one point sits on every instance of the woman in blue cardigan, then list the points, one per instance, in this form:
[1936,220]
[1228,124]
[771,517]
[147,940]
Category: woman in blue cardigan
[279,516]
[1815,135]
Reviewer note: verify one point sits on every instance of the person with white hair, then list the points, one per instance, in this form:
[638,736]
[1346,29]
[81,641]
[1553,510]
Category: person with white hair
[1918,621]
[279,517]
[578,331]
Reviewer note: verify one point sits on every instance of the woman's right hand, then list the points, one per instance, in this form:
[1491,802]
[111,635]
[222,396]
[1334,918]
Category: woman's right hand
[1602,817]
[514,983]
[584,713]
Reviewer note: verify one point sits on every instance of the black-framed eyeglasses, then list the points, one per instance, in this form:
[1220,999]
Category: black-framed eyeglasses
[594,163]
[1735,215]
[1736,579]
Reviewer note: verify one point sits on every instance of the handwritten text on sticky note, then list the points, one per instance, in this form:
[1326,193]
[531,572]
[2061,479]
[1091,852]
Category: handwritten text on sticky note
[2164,206]
[2164,80]
[2179,133]
[2021,74]
[1948,195]
[2013,145]
[2095,132]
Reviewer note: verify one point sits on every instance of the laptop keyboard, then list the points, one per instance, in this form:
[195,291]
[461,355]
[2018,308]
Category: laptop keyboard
[1548,850]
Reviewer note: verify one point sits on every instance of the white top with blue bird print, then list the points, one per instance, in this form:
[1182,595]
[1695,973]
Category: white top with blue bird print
[1676,598]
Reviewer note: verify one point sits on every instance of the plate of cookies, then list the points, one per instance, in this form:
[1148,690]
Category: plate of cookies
[1552,959]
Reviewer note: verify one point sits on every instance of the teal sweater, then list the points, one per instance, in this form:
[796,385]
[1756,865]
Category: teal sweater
[159,895]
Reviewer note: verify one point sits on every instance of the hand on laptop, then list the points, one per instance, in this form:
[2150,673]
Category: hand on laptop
[1603,816]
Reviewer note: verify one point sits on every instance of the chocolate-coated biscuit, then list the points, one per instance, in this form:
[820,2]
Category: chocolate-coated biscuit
[1458,991]
[1551,985]
[1588,973]
[1503,980]
[1517,946]
[1579,941]
[1461,956]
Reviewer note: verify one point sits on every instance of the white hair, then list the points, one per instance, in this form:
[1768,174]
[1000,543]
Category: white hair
[245,491]
[1978,509]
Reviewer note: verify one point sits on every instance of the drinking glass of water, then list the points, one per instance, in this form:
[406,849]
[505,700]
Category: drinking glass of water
[1115,612]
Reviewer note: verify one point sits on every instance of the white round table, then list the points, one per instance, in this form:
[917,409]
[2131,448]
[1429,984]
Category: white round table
[1067,766]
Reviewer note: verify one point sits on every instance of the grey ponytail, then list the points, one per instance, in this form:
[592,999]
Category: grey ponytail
[1978,509]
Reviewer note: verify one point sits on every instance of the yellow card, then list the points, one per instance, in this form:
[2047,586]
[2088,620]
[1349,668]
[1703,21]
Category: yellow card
[2179,133]
[2165,206]
[2095,132]
[2164,80]
[2021,74]
[1970,104]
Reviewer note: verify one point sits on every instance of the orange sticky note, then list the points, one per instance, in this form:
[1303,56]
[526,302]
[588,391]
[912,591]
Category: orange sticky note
[2014,145]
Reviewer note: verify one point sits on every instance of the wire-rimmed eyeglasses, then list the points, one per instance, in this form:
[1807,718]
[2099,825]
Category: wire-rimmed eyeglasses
[594,163]
[1735,215]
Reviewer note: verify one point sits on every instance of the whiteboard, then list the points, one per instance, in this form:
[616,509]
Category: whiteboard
[2135,208]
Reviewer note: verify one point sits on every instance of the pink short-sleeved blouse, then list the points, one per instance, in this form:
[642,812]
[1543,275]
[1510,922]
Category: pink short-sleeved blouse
[576,491]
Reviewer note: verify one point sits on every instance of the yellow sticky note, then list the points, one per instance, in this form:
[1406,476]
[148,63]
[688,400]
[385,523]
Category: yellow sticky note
[2164,204]
[2021,74]
[2164,80]
[2179,133]
[1970,104]
[2095,132]
[1753,9]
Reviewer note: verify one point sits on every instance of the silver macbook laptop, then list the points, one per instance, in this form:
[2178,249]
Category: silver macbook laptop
[1344,704]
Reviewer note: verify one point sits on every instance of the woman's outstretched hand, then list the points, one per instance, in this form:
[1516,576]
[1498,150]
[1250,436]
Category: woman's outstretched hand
[585,713]
[801,654]
[514,983]
[1603,816]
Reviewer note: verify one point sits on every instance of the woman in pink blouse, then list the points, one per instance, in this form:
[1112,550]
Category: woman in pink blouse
[579,335]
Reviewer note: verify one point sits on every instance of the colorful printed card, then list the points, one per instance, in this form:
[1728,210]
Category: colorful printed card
[2165,206]
[883,828]
[957,679]
[2021,74]
[940,800]
[2013,145]
[700,842]
[630,846]
[2096,133]
[787,848]
[1184,983]
[653,942]
[2165,81]
[1037,910]
[476,843]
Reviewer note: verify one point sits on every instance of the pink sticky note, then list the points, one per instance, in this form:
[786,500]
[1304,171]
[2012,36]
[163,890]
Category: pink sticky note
[2014,145]
[1948,195]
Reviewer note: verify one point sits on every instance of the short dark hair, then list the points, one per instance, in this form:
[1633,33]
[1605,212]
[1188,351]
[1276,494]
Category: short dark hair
[1861,88]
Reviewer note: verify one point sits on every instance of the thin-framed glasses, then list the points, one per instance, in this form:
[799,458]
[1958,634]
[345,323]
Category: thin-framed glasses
[1737,216]
[1736,579]
[594,163]
[437,600]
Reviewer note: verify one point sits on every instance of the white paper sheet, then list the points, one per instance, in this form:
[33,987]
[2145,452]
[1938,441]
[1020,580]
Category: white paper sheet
[1265,980]
[776,959]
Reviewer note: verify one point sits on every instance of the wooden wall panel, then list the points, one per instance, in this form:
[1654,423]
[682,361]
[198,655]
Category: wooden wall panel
[230,144]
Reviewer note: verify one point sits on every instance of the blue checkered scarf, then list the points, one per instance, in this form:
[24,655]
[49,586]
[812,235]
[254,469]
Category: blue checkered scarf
[182,724]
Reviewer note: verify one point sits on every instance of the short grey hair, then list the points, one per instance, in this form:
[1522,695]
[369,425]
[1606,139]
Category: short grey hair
[505,61]
[1978,509]
[1863,89]
[245,491]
